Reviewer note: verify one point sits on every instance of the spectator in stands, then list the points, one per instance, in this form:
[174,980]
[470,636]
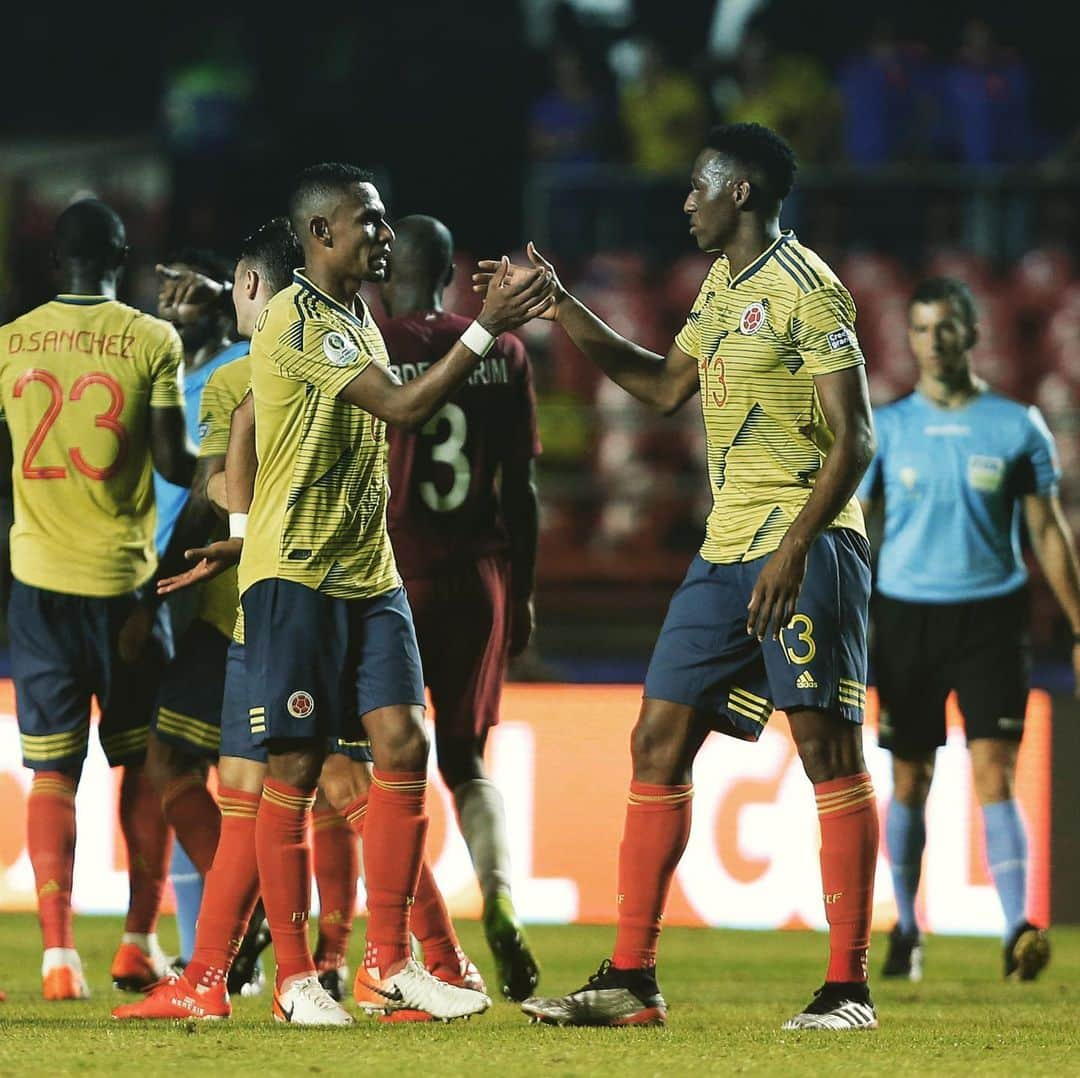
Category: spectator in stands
[887,96]
[664,112]
[567,122]
[789,93]
[987,97]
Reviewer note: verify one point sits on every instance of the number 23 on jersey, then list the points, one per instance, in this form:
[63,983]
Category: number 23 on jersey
[100,388]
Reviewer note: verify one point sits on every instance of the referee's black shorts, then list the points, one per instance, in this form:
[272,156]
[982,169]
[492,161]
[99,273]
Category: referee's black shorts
[922,651]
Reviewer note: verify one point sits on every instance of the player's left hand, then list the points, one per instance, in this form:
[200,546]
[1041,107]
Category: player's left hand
[772,602]
[134,634]
[522,623]
[210,561]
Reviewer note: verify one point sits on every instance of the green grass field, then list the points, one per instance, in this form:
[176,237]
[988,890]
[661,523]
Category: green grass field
[728,993]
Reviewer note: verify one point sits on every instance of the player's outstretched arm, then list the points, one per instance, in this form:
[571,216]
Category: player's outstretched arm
[662,382]
[508,304]
[845,401]
[1055,547]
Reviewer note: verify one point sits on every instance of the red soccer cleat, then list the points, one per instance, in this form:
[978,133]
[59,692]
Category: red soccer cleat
[178,999]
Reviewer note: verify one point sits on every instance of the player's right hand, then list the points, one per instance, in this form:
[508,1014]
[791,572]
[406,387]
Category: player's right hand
[514,293]
[184,295]
[210,561]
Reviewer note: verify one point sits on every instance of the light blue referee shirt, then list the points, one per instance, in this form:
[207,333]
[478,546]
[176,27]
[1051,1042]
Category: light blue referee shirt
[952,480]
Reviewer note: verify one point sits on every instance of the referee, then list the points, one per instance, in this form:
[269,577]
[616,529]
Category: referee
[955,464]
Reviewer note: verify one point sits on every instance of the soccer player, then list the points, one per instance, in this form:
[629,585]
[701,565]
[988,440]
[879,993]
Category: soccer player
[319,587]
[266,263]
[956,463]
[89,390]
[772,613]
[184,731]
[463,523]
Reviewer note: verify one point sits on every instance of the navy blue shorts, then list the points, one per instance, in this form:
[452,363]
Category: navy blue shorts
[317,664]
[188,712]
[704,658]
[63,652]
[236,736]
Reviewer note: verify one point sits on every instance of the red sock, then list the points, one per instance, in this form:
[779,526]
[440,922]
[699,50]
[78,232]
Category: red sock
[847,813]
[50,839]
[429,921]
[336,868]
[193,815]
[230,891]
[654,837]
[149,843]
[284,857]
[393,850]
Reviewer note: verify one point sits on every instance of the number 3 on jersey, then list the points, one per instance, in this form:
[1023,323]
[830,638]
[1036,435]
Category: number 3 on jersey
[450,429]
[108,420]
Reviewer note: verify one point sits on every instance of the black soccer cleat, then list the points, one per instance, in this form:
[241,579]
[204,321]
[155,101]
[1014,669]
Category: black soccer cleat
[613,997]
[837,1005]
[1027,952]
[905,957]
[246,969]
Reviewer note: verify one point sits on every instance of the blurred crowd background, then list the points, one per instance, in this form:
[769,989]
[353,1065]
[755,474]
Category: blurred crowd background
[933,138]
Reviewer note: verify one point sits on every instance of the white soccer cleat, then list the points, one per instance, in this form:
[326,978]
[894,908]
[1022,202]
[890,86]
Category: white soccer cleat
[837,1007]
[306,1003]
[413,988]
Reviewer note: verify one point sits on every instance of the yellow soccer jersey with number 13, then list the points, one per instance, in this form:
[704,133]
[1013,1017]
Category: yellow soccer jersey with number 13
[318,516]
[78,376]
[759,341]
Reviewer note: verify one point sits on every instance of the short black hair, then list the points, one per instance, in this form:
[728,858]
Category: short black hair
[951,290]
[89,231]
[203,260]
[424,245]
[768,157]
[316,184]
[274,249]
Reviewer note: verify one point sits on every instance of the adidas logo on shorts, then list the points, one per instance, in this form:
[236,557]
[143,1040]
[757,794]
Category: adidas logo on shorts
[805,681]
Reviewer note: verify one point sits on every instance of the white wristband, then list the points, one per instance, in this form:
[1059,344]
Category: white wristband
[237,525]
[477,339]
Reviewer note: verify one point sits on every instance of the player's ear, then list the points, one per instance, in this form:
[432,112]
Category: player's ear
[973,336]
[251,283]
[742,194]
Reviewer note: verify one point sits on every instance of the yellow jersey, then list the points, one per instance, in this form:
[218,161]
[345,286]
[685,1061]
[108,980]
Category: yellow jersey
[78,377]
[224,390]
[318,516]
[759,340]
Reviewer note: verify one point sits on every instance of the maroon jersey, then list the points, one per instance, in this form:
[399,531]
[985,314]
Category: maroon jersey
[444,505]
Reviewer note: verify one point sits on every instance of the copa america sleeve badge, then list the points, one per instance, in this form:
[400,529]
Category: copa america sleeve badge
[339,350]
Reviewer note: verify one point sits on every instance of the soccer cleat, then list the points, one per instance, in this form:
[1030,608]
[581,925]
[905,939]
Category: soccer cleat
[516,969]
[178,999]
[335,979]
[613,997]
[837,1005]
[306,1003]
[62,975]
[246,977]
[905,957]
[464,973]
[1027,952]
[135,970]
[413,988]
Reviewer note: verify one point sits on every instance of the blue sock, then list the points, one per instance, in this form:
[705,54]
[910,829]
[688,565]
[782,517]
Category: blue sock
[1006,850]
[905,838]
[188,888]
